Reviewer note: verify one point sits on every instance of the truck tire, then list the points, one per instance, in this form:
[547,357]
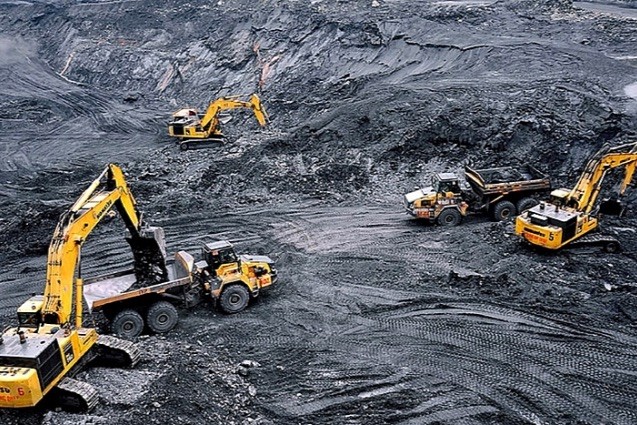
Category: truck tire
[503,210]
[234,299]
[525,204]
[612,247]
[449,217]
[127,324]
[162,317]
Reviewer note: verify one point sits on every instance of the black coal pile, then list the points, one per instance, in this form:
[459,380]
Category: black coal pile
[376,319]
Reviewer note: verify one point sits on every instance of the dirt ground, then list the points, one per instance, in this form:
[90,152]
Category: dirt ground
[375,318]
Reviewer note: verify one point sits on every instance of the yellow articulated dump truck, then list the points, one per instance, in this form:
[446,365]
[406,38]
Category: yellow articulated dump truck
[220,276]
[501,192]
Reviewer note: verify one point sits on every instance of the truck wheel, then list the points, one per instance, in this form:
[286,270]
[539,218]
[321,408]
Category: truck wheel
[449,217]
[128,324]
[162,317]
[503,210]
[525,204]
[612,247]
[234,299]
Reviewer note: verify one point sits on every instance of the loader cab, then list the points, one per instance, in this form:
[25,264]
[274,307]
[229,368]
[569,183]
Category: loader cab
[217,254]
[445,183]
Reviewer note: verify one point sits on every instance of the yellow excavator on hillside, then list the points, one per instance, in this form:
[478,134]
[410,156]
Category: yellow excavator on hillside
[51,342]
[571,214]
[195,129]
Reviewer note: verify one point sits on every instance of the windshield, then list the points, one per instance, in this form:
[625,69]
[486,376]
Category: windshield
[435,183]
[29,320]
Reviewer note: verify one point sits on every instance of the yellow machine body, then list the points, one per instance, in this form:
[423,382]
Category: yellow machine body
[189,124]
[571,214]
[552,227]
[50,338]
[34,360]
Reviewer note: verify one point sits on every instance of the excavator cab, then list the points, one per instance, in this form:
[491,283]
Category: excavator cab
[446,183]
[559,197]
[30,312]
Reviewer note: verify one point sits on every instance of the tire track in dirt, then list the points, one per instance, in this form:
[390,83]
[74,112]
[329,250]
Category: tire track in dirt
[349,332]
[495,362]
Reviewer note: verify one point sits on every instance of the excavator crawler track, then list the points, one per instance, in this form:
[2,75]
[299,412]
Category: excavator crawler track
[594,242]
[116,350]
[76,395]
[188,144]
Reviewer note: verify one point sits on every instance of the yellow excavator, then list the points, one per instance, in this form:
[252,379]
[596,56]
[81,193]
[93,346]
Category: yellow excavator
[570,215]
[195,129]
[51,343]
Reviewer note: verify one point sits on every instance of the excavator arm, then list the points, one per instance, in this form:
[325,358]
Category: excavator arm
[63,291]
[210,121]
[584,195]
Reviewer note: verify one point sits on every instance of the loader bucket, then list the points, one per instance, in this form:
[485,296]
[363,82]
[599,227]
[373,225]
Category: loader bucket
[611,206]
[149,253]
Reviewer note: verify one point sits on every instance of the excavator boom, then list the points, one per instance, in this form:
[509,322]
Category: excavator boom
[71,232]
[583,196]
[210,121]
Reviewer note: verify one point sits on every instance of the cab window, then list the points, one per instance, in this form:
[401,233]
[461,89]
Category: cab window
[29,320]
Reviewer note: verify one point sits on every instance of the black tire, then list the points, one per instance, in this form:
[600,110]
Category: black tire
[162,317]
[503,210]
[109,314]
[234,299]
[525,204]
[612,247]
[449,217]
[183,146]
[128,324]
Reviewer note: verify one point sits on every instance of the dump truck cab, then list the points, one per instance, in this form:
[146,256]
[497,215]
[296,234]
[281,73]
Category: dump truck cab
[247,274]
[220,256]
[441,202]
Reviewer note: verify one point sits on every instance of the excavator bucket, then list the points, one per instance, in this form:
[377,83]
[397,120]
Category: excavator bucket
[149,253]
[612,206]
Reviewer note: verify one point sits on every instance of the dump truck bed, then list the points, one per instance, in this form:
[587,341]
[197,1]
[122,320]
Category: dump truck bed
[102,293]
[503,180]
[113,288]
